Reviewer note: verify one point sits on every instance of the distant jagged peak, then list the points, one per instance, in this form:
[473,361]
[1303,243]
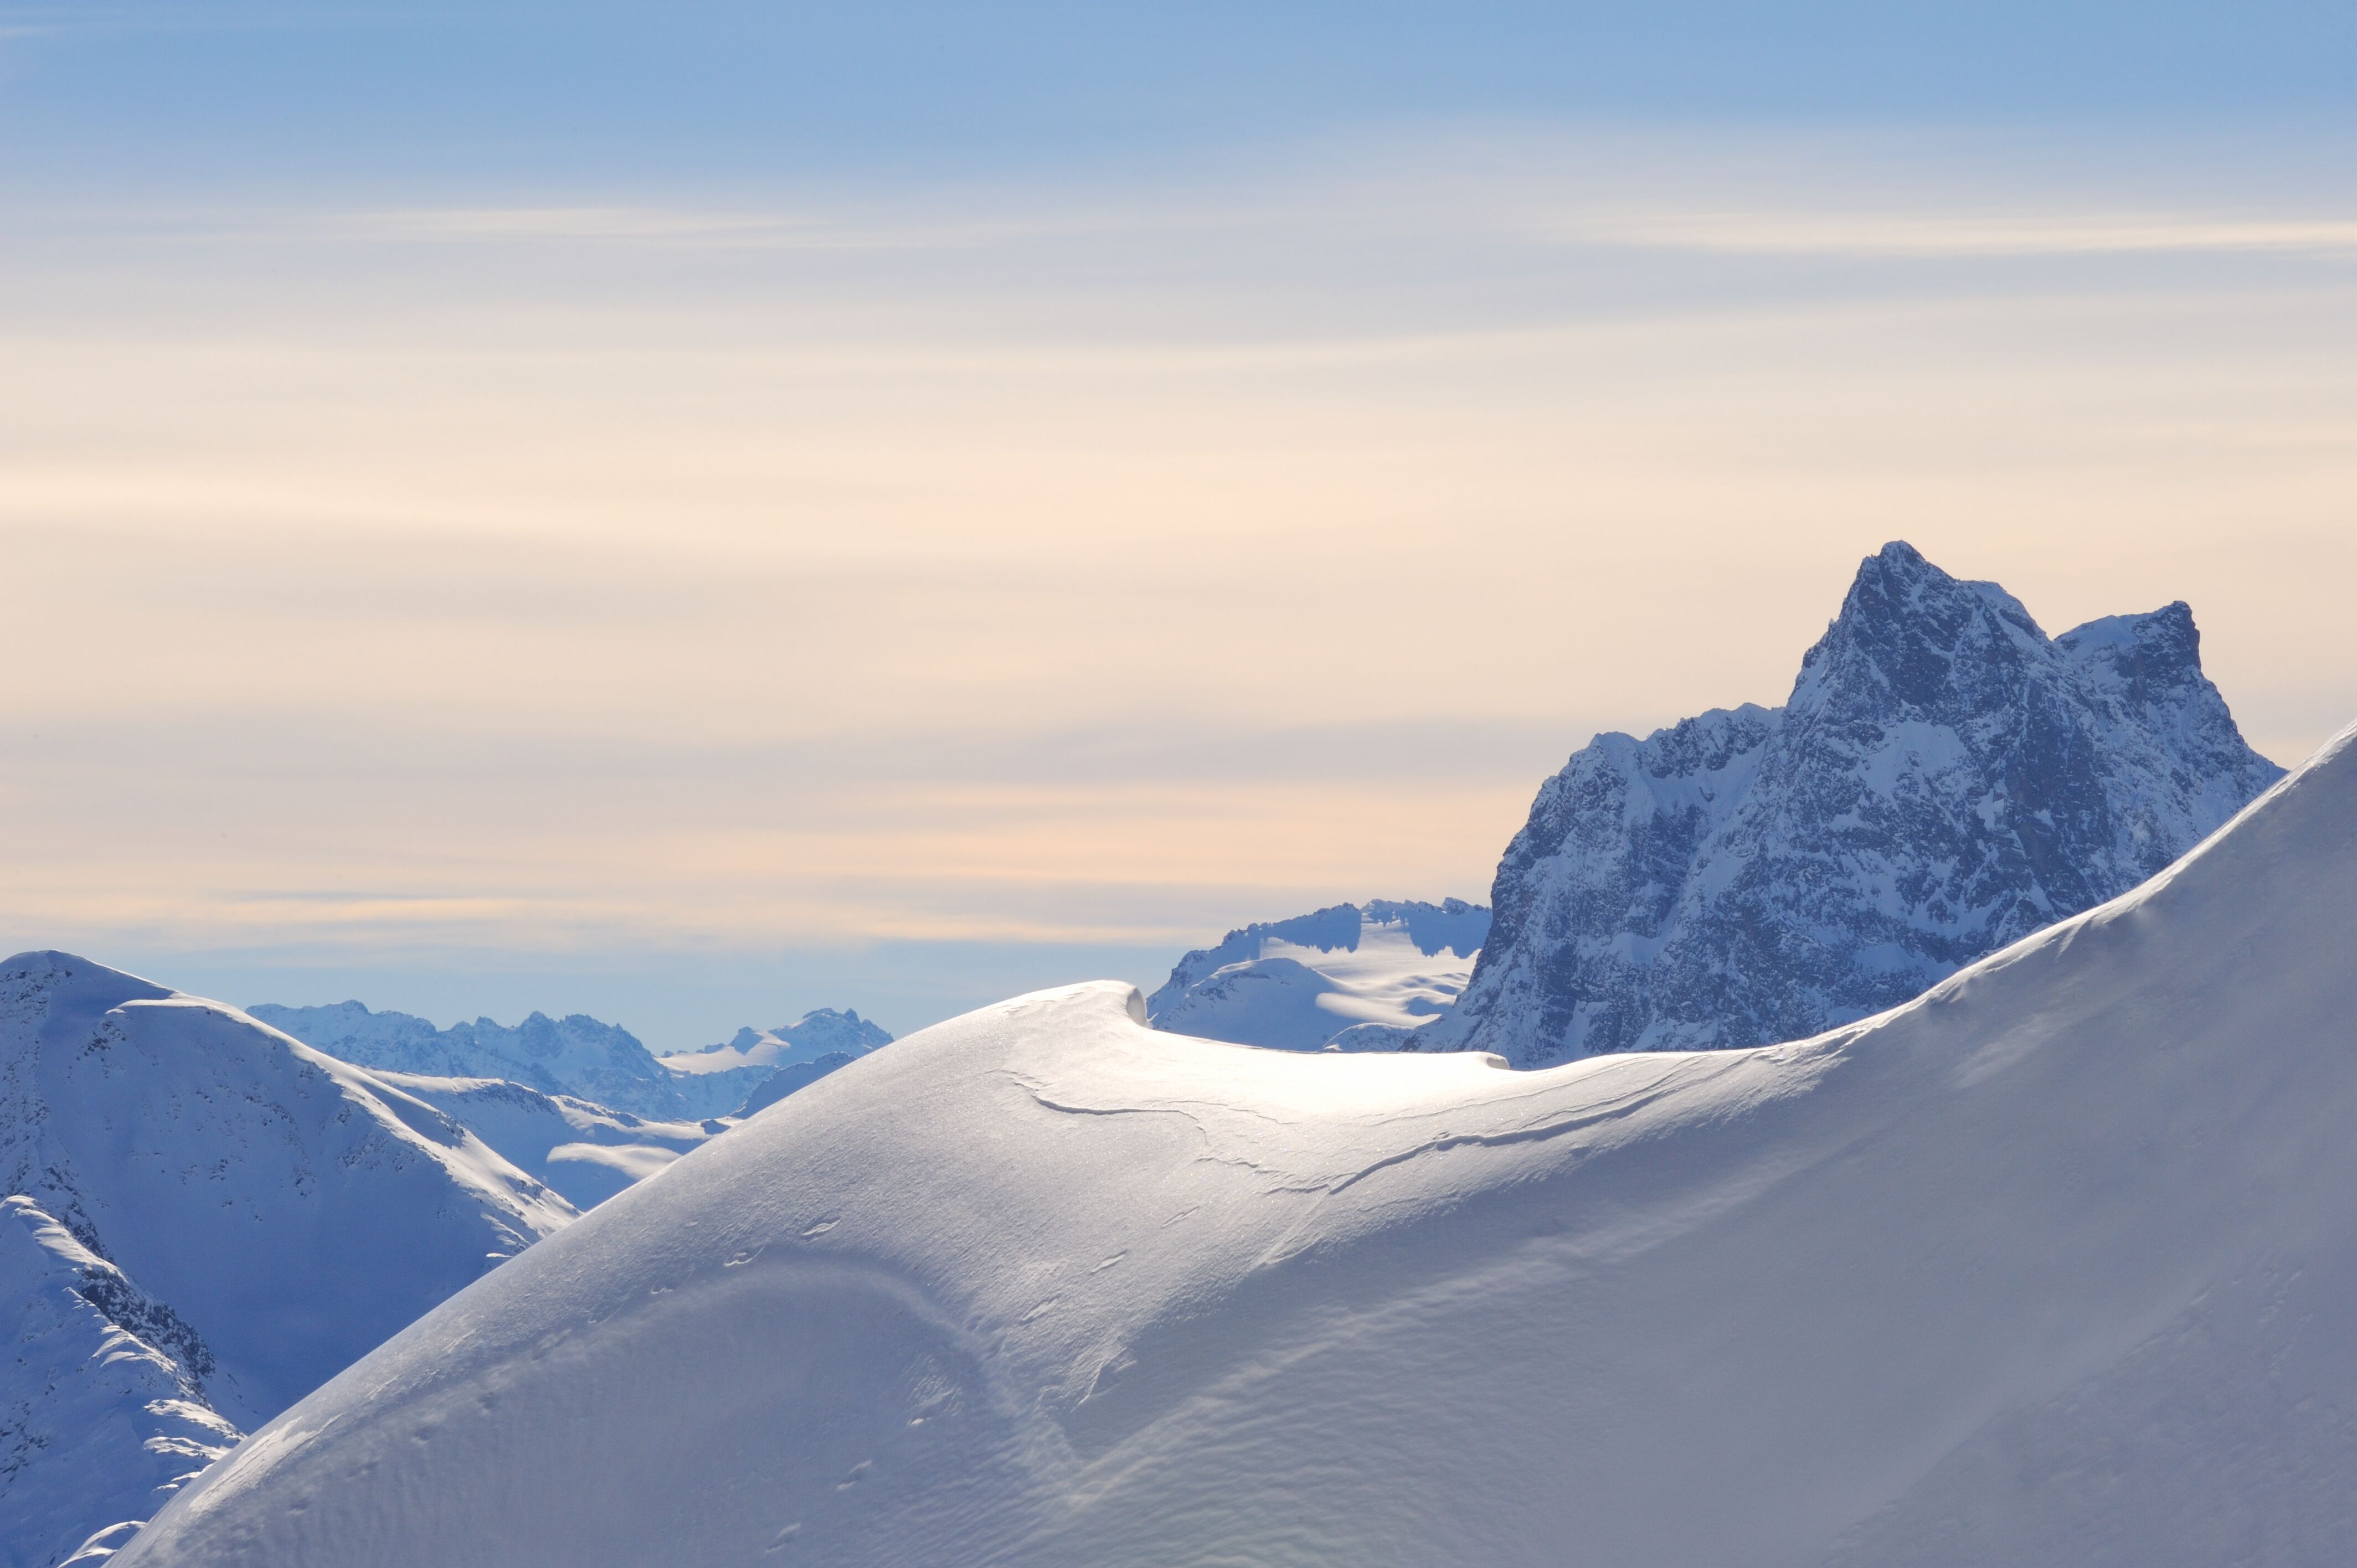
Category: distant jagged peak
[728,1078]
[576,1054]
[827,1029]
[1453,924]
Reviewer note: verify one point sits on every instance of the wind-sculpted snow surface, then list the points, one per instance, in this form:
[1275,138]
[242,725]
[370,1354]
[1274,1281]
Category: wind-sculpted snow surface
[1358,976]
[2055,1264]
[1943,781]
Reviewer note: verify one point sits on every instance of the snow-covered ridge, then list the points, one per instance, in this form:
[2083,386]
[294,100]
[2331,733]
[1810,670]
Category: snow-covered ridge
[2051,1265]
[102,1408]
[1943,779]
[247,1217]
[1358,976]
[585,1153]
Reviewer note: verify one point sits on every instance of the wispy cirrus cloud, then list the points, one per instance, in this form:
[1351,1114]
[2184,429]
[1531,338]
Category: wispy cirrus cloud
[1800,232]
[1702,226]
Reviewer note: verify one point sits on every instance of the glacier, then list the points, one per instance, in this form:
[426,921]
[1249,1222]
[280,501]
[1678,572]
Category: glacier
[2051,1263]
[1943,779]
[1353,977]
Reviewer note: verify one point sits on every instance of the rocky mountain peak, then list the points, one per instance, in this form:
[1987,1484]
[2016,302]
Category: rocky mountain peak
[1945,779]
[1914,638]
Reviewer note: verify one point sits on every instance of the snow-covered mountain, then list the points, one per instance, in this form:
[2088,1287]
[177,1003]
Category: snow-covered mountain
[254,1215]
[1359,976]
[716,1081]
[102,1410]
[602,1063]
[587,1152]
[1943,779]
[2054,1264]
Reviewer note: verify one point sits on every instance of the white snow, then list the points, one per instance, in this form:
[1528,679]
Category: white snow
[97,1425]
[1304,984]
[588,1153]
[718,1080]
[2054,1266]
[294,1209]
[576,1054]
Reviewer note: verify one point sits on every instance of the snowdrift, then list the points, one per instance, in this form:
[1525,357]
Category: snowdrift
[2057,1264]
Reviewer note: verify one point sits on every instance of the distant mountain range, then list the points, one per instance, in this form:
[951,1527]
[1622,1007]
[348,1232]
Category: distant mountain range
[1354,976]
[724,1079]
[576,1054]
[1945,779]
[580,1058]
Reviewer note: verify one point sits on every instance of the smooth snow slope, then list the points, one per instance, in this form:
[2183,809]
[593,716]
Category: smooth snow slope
[2056,1264]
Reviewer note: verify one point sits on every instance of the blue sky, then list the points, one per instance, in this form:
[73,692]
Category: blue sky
[239,97]
[696,513]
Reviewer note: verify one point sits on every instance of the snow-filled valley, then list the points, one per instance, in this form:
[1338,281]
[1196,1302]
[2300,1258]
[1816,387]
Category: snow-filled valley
[2052,1264]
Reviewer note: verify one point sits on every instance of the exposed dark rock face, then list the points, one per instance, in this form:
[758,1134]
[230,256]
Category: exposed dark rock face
[1943,780]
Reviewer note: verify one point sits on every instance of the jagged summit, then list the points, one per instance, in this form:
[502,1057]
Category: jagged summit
[1943,779]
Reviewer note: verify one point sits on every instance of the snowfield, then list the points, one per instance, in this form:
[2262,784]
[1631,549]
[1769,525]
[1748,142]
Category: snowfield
[1355,976]
[2056,1264]
[584,1152]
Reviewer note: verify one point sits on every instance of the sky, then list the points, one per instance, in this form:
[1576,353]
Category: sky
[695,514]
